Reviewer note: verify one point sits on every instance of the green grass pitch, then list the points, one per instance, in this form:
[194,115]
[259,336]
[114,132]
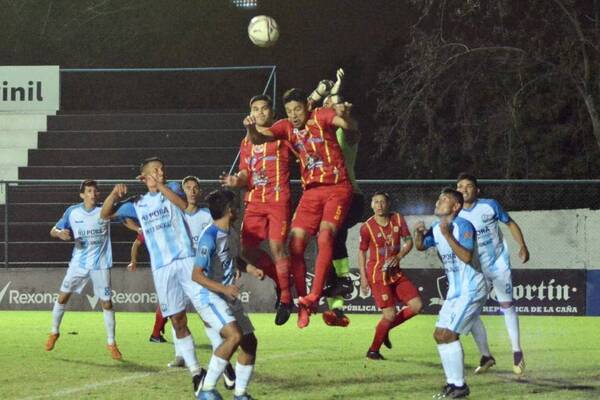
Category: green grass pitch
[319,362]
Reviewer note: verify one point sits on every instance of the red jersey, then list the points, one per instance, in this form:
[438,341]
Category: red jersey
[321,158]
[383,242]
[267,166]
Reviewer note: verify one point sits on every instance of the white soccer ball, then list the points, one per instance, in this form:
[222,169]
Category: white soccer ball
[263,31]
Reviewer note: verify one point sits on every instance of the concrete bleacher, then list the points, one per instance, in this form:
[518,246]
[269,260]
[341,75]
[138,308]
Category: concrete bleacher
[107,146]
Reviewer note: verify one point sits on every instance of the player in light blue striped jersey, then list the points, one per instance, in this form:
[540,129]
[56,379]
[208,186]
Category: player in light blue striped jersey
[454,239]
[91,259]
[218,305]
[161,216]
[485,214]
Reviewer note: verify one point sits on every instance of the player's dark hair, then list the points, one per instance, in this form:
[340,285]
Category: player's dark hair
[382,193]
[190,178]
[455,194]
[466,176]
[263,97]
[218,202]
[86,183]
[294,94]
[148,161]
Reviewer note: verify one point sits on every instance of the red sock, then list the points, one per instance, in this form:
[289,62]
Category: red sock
[381,331]
[323,261]
[159,323]
[297,248]
[282,266]
[265,262]
[405,314]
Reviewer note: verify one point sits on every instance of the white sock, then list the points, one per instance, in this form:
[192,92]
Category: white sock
[216,366]
[511,320]
[109,324]
[243,373]
[480,337]
[57,313]
[214,337]
[177,354]
[453,363]
[185,348]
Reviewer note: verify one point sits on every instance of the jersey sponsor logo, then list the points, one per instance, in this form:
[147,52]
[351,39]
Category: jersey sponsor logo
[487,217]
[158,213]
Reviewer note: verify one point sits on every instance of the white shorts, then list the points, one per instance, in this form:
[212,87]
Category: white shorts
[77,277]
[458,314]
[174,286]
[219,313]
[499,277]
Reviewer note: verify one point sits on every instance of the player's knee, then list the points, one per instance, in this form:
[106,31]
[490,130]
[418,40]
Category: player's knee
[106,304]
[389,313]
[297,246]
[249,344]
[63,298]
[505,305]
[416,305]
[326,238]
[277,250]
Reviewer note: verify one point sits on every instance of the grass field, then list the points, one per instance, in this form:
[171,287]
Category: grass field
[562,353]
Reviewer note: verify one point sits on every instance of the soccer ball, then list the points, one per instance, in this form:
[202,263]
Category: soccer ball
[263,31]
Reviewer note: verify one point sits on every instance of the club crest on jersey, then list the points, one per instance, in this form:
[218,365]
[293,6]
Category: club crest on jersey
[487,217]
[396,229]
[258,148]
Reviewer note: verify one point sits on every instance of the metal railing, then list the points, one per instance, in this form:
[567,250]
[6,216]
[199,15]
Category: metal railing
[411,197]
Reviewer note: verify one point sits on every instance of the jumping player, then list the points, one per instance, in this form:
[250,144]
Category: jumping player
[485,214]
[91,259]
[387,238]
[327,190]
[454,238]
[217,302]
[264,172]
[160,213]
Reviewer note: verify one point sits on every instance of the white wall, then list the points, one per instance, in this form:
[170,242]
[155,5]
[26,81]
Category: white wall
[559,239]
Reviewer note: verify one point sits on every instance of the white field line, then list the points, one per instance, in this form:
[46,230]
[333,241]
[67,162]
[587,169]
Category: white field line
[141,375]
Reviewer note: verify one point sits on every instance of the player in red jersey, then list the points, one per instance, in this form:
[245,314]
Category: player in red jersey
[264,172]
[382,235]
[327,189]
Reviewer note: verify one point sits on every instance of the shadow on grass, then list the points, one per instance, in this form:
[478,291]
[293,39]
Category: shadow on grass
[123,365]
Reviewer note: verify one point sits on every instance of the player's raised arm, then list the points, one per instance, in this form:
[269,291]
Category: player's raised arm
[421,235]
[256,136]
[165,190]
[343,119]
[463,248]
[118,192]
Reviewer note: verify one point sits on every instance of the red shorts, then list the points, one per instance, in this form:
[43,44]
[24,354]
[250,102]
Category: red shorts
[401,291]
[328,203]
[264,221]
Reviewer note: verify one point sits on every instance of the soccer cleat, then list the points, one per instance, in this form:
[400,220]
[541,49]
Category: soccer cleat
[485,363]
[157,339]
[245,396]
[178,362]
[198,381]
[303,316]
[374,355]
[209,395]
[229,377]
[308,300]
[52,338]
[115,354]
[283,313]
[387,342]
[336,317]
[519,363]
[453,392]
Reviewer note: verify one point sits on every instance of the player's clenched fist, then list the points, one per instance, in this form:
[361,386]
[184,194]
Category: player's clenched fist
[231,291]
[119,191]
[249,121]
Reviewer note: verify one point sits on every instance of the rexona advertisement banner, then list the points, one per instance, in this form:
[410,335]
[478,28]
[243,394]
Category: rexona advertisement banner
[29,88]
[536,292]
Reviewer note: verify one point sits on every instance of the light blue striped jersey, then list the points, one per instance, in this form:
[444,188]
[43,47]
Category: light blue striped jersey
[91,235]
[484,214]
[214,257]
[165,232]
[463,279]
[196,222]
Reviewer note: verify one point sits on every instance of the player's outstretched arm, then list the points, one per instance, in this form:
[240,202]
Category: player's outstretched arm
[132,225]
[517,234]
[256,136]
[238,180]
[118,192]
[229,291]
